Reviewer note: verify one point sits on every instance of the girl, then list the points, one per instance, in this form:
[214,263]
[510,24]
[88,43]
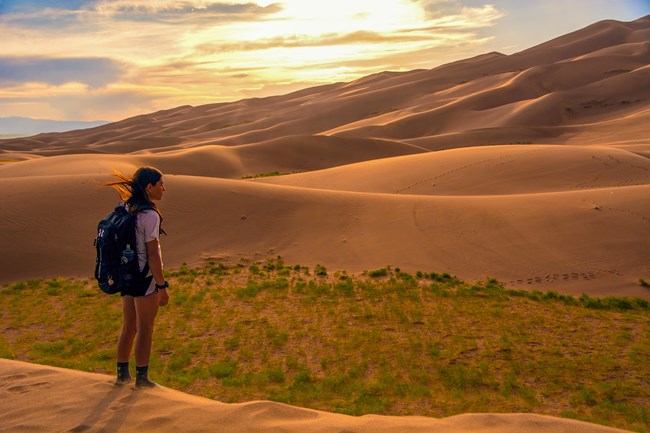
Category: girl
[140,304]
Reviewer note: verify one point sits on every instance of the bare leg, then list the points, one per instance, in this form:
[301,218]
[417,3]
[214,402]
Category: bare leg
[129,328]
[125,342]
[146,309]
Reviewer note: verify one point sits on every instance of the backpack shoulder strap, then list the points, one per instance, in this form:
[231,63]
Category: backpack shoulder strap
[144,208]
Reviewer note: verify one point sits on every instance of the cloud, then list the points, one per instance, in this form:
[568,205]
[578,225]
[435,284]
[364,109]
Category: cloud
[183,11]
[440,8]
[130,56]
[20,6]
[95,72]
[87,105]
[295,41]
[79,14]
[456,13]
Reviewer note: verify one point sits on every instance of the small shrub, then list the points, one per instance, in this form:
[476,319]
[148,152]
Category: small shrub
[275,375]
[53,287]
[232,343]
[276,338]
[320,271]
[404,276]
[378,273]
[218,270]
[302,378]
[269,174]
[223,369]
[345,286]
[250,291]
[179,360]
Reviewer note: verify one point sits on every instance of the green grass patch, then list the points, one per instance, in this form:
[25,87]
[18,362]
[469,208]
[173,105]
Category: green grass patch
[269,174]
[385,342]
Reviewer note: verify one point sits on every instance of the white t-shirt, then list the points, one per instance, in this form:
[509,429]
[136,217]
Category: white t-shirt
[147,229]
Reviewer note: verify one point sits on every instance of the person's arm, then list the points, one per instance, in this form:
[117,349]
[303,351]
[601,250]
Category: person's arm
[156,267]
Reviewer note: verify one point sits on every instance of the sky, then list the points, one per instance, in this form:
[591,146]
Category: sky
[112,59]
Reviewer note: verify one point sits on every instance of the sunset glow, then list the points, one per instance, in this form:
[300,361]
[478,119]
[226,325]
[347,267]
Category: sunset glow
[89,60]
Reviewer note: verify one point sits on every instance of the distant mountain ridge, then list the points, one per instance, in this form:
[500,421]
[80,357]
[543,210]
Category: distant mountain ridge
[15,126]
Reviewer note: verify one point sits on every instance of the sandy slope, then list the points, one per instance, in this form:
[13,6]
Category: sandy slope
[284,155]
[491,170]
[585,240]
[38,398]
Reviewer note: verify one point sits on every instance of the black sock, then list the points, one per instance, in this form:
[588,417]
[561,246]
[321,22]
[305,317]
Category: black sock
[142,371]
[123,374]
[142,377]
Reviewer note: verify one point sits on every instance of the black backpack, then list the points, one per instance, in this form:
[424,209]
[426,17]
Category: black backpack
[116,266]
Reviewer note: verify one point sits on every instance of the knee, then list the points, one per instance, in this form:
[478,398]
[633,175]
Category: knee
[145,328]
[129,329]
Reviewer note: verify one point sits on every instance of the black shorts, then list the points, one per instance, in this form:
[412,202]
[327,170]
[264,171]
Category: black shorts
[147,287]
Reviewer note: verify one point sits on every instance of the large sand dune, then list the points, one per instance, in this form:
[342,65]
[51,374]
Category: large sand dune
[72,401]
[531,168]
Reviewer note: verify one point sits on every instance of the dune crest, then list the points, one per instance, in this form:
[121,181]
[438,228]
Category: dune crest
[39,398]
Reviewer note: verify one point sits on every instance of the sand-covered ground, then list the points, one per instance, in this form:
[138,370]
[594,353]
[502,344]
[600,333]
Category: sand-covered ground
[39,398]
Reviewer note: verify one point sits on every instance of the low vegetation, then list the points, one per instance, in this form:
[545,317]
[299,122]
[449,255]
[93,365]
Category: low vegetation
[385,342]
[269,174]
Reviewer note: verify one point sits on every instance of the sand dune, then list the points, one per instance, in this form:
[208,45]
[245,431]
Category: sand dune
[532,240]
[284,155]
[67,400]
[608,58]
[492,170]
[542,183]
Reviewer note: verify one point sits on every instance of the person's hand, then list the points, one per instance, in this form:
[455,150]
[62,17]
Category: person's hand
[163,297]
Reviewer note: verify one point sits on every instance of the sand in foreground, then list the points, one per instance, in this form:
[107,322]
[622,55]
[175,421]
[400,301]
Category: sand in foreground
[38,398]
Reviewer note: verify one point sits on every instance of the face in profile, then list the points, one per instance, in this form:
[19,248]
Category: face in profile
[155,191]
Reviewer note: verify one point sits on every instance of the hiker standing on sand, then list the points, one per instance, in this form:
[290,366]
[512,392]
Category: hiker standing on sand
[140,304]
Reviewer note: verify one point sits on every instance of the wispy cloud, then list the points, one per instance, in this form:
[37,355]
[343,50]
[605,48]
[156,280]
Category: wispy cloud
[328,39]
[172,12]
[158,54]
[95,72]
[21,6]
[61,57]
[75,102]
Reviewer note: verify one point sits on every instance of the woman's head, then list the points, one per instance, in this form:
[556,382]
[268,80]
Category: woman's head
[145,186]
[150,181]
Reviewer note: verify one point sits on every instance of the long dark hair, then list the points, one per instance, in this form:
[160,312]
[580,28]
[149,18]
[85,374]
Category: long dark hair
[133,190]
